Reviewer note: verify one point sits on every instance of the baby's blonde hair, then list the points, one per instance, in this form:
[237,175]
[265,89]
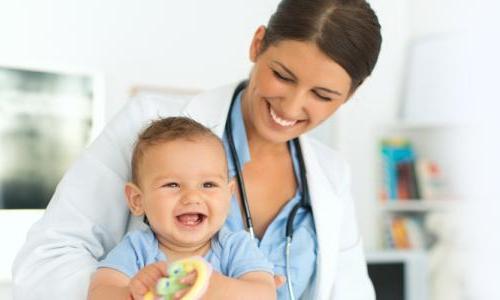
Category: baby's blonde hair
[166,130]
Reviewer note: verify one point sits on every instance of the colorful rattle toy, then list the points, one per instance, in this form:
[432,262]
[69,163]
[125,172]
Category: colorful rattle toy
[168,286]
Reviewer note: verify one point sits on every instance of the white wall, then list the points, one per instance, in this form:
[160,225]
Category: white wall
[437,17]
[480,150]
[189,43]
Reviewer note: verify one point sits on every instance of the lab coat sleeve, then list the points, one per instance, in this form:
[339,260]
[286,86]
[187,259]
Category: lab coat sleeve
[352,281]
[85,218]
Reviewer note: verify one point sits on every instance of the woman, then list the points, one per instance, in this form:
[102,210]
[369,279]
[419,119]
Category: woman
[308,61]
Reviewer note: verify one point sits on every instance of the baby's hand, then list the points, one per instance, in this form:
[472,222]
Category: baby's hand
[145,280]
[189,279]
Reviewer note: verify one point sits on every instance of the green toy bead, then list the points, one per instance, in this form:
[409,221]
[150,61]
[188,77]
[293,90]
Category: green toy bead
[167,287]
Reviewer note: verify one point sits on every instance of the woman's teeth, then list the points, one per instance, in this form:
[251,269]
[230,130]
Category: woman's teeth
[280,121]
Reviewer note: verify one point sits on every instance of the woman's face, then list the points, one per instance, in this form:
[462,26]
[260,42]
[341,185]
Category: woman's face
[293,87]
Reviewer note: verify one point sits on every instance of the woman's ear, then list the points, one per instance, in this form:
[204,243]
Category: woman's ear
[134,199]
[257,43]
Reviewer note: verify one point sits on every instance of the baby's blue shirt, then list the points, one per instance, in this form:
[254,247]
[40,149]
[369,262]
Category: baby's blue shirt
[231,254]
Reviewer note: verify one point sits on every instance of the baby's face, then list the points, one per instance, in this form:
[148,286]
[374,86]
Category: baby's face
[185,190]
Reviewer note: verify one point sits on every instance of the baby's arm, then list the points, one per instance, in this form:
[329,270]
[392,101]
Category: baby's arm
[252,285]
[108,283]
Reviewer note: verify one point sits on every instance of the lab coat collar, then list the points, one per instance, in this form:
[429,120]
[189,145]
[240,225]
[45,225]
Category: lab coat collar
[326,209]
[211,108]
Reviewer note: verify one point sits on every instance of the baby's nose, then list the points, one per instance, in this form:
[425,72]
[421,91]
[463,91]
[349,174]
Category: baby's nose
[191,196]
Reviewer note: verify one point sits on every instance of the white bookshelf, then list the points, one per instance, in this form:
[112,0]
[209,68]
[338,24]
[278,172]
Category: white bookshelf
[417,205]
[437,142]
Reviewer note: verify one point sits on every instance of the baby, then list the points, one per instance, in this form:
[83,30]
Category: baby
[180,185]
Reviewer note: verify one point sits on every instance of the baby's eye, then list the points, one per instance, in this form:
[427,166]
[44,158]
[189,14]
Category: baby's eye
[209,184]
[171,185]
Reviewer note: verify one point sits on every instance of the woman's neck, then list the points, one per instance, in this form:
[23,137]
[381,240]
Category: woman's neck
[260,148]
[176,252]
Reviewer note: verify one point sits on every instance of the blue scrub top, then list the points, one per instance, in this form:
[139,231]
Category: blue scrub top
[304,247]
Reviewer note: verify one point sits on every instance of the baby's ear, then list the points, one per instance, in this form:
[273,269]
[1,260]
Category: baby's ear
[134,199]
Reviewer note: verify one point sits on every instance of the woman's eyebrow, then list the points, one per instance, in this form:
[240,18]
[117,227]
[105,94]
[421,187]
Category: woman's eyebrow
[295,78]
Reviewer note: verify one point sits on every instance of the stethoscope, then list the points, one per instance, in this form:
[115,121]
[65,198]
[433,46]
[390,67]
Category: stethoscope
[304,201]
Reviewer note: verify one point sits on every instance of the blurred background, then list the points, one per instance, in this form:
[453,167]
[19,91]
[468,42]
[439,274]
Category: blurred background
[419,134]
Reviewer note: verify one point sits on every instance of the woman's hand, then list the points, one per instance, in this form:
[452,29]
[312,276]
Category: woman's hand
[145,280]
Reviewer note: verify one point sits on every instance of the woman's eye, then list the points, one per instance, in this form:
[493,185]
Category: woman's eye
[209,184]
[281,77]
[323,98]
[171,185]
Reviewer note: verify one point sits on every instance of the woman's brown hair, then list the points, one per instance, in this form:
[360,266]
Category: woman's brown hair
[347,31]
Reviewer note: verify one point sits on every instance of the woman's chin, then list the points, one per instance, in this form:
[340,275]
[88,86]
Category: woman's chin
[275,133]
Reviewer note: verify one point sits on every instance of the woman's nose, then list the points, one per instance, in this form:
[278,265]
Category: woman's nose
[293,105]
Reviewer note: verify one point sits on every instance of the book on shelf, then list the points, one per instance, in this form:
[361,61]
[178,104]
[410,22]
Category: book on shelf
[405,176]
[404,233]
[430,179]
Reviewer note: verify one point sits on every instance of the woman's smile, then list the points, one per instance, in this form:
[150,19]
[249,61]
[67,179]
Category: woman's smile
[280,120]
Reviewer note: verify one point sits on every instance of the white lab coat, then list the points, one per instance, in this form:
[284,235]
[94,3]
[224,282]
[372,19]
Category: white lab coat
[88,215]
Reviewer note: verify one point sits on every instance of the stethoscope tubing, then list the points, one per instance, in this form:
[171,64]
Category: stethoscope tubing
[236,162]
[304,201]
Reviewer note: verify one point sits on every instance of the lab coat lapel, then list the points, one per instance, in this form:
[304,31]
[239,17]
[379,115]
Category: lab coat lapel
[326,211]
[211,108]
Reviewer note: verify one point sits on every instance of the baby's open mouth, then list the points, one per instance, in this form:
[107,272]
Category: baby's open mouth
[191,219]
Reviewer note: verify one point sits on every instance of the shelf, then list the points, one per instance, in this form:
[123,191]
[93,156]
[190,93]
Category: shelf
[418,205]
[408,125]
[383,255]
